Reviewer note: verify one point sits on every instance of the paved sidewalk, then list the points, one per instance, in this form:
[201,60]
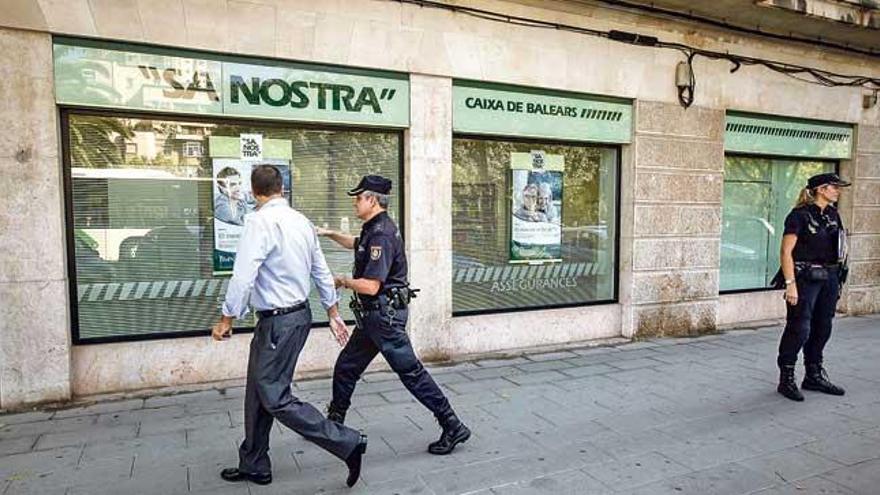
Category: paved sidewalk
[678,416]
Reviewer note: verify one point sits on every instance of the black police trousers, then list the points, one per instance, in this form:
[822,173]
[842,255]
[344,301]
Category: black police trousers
[381,333]
[275,348]
[808,324]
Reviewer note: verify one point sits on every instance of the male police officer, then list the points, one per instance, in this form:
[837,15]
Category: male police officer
[278,254]
[381,296]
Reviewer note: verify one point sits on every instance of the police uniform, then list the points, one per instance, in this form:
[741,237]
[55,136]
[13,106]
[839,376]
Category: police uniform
[381,327]
[818,278]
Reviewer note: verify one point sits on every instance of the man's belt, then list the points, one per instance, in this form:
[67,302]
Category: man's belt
[266,313]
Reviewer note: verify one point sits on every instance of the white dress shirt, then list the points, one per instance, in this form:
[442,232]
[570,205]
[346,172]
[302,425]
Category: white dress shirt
[278,254]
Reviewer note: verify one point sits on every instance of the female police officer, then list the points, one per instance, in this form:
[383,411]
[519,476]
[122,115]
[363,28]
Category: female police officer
[812,248]
[381,295]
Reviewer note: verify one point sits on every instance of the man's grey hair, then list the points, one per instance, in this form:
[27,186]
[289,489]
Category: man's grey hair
[382,199]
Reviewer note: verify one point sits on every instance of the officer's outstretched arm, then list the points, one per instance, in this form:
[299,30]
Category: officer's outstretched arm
[366,286]
[344,240]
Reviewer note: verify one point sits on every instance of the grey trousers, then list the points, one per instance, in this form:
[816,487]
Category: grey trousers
[275,348]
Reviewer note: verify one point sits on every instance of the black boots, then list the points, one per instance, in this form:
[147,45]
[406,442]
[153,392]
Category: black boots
[787,386]
[336,414]
[454,433]
[816,379]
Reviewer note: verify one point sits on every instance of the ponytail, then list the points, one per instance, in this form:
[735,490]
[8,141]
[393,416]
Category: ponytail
[806,197]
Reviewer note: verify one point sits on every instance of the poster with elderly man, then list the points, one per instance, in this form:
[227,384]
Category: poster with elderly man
[536,222]
[232,161]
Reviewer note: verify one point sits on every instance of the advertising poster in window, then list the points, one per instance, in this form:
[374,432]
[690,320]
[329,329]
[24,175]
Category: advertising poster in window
[232,197]
[536,220]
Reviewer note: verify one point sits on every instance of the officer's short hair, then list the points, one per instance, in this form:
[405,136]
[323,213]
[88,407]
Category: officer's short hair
[382,199]
[266,180]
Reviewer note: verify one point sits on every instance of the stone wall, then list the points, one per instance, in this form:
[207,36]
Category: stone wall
[863,288]
[678,169]
[35,337]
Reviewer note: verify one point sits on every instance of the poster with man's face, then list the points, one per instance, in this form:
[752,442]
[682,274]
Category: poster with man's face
[536,220]
[234,201]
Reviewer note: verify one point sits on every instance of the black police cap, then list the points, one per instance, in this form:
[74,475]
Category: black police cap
[825,179]
[375,183]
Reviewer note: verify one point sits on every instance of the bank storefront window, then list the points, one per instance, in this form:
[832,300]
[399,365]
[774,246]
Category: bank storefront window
[157,202]
[760,189]
[758,194]
[534,218]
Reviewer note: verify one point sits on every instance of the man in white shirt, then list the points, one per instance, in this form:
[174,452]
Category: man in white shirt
[278,254]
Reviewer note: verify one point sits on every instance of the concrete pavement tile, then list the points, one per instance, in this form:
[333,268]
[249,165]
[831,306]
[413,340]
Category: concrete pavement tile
[216,421]
[809,486]
[863,477]
[164,480]
[380,469]
[362,399]
[450,378]
[17,445]
[363,387]
[25,488]
[537,377]
[91,435]
[543,366]
[705,452]
[636,420]
[503,362]
[235,405]
[633,471]
[483,475]
[45,427]
[551,356]
[183,398]
[100,408]
[790,464]
[440,368]
[846,449]
[770,438]
[410,485]
[581,371]
[135,417]
[229,489]
[495,372]
[571,482]
[725,479]
[486,447]
[594,351]
[592,359]
[624,445]
[396,396]
[25,466]
[486,385]
[25,417]
[150,449]
[553,436]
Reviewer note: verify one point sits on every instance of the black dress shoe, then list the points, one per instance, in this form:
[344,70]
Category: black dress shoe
[233,474]
[354,462]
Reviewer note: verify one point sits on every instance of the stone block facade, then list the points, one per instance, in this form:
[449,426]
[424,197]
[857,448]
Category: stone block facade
[35,340]
[679,163]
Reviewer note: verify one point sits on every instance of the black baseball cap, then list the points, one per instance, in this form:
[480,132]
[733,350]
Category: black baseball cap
[375,183]
[825,179]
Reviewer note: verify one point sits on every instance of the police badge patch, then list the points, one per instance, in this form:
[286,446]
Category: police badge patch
[375,252]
